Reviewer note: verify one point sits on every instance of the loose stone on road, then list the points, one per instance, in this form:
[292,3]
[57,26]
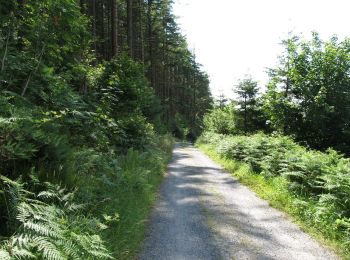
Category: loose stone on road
[204,213]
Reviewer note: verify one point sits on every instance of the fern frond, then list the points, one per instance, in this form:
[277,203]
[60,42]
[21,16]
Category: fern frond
[47,195]
[69,248]
[22,253]
[4,255]
[50,226]
[21,240]
[41,229]
[48,249]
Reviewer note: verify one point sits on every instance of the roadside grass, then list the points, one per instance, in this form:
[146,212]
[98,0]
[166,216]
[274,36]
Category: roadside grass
[275,192]
[126,236]
[124,199]
[134,203]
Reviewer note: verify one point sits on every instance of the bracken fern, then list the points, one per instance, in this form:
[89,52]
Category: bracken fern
[49,225]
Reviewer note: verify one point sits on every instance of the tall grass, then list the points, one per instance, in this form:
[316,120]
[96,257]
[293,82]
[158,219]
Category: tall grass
[141,174]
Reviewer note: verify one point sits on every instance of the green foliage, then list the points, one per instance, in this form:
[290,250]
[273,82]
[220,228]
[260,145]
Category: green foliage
[69,119]
[43,220]
[124,188]
[221,120]
[180,127]
[13,139]
[274,190]
[249,116]
[127,102]
[49,225]
[320,180]
[241,115]
[124,88]
[71,125]
[307,94]
[38,40]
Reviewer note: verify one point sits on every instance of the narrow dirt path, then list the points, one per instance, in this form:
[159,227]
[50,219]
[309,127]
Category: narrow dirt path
[203,213]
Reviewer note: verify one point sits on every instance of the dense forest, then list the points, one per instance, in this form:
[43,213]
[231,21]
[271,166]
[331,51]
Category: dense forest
[294,135]
[89,91]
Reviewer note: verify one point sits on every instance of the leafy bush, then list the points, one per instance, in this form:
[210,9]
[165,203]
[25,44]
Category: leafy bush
[123,88]
[221,120]
[180,127]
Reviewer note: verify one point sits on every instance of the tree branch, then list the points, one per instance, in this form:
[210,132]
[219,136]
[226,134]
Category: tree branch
[6,50]
[25,87]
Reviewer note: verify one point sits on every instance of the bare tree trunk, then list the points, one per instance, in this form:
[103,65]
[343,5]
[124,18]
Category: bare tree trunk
[6,50]
[165,66]
[99,9]
[150,41]
[19,16]
[141,32]
[114,28]
[101,30]
[130,26]
[94,15]
[84,86]
[109,30]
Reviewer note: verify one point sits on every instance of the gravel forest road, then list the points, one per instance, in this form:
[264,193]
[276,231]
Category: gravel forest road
[204,213]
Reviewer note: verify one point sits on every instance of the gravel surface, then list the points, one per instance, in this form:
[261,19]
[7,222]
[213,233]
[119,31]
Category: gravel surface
[204,213]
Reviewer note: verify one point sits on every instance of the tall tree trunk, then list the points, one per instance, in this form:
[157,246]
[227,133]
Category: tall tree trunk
[94,15]
[130,26]
[142,48]
[150,41]
[19,15]
[101,29]
[165,64]
[114,28]
[6,48]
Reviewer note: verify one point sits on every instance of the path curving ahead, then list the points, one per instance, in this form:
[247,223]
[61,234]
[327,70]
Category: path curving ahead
[204,213]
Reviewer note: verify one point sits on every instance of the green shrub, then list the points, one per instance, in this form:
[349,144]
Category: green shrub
[221,120]
[123,88]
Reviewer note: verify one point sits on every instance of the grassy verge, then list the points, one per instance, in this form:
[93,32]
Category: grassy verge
[133,202]
[275,192]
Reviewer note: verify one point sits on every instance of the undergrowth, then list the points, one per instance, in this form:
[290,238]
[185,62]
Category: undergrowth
[312,187]
[127,205]
[103,219]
